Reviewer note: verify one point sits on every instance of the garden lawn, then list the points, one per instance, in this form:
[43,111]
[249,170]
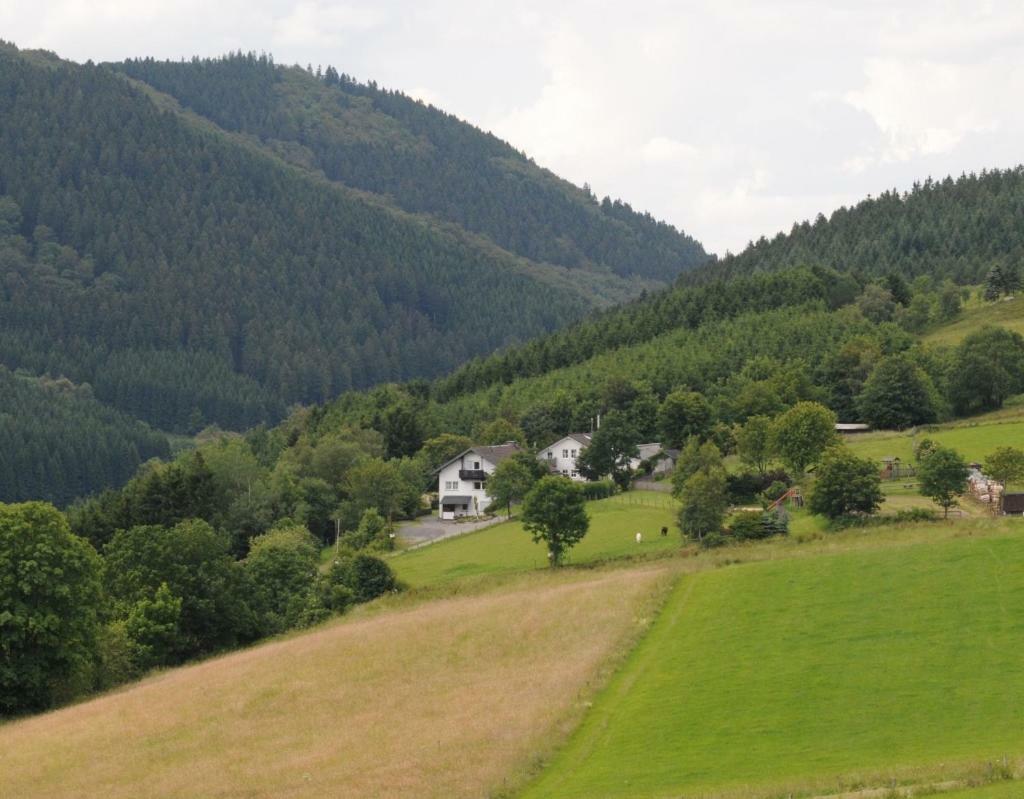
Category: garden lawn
[507,547]
[814,674]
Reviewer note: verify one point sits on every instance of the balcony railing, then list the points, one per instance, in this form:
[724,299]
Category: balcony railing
[472,474]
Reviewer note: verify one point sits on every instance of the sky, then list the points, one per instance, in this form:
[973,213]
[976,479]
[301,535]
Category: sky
[728,119]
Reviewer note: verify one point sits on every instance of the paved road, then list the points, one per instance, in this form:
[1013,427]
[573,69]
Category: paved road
[428,529]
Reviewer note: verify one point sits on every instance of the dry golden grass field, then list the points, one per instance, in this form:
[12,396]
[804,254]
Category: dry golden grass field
[449,698]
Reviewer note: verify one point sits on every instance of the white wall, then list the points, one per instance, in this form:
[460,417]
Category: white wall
[563,464]
[466,488]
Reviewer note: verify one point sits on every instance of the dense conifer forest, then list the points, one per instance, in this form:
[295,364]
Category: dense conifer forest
[422,159]
[193,274]
[59,442]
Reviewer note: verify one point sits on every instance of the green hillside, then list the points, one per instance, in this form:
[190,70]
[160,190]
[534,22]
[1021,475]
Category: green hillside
[952,230]
[814,674]
[422,159]
[57,442]
[189,259]
[507,548]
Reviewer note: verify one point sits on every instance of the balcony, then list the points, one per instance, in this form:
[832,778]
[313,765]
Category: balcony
[472,474]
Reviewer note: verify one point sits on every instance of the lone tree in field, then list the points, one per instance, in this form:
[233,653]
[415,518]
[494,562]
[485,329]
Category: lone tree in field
[846,485]
[943,476]
[553,512]
[801,435]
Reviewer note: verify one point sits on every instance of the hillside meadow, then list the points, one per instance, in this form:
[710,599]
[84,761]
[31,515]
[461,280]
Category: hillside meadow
[975,438]
[816,674]
[450,698]
[507,547]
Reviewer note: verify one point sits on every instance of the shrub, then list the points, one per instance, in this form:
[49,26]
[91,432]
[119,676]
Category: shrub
[747,525]
[713,540]
[599,489]
[746,486]
[365,576]
[755,525]
[916,515]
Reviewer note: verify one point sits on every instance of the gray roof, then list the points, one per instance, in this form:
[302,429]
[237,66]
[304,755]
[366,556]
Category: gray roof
[455,499]
[580,438]
[495,454]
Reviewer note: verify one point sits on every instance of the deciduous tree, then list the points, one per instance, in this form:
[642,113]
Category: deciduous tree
[943,477]
[49,603]
[845,485]
[554,512]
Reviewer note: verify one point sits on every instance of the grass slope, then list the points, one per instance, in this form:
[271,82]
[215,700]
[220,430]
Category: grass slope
[445,699]
[974,438]
[977,313]
[782,674]
[507,548]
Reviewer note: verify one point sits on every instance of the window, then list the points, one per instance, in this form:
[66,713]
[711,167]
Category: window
[565,453]
[451,485]
[478,485]
[565,472]
[574,453]
[575,473]
[476,465]
[551,455]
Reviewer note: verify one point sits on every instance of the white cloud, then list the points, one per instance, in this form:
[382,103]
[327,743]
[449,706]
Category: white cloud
[316,25]
[927,108]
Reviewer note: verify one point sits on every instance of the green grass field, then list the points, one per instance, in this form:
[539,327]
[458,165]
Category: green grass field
[975,441]
[976,314]
[815,674]
[999,790]
[507,548]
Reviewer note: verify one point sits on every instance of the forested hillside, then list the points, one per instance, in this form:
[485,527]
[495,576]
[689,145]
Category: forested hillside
[59,443]
[948,228]
[422,159]
[954,230]
[193,275]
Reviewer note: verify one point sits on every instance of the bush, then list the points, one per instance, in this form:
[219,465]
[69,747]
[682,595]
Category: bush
[599,489]
[747,525]
[746,487]
[713,541]
[916,515]
[755,525]
[365,576]
[372,533]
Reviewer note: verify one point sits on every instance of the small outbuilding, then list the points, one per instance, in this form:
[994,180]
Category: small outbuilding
[1013,504]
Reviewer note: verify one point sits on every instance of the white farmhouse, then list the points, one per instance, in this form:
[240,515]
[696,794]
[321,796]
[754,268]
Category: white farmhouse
[662,460]
[561,456]
[462,481]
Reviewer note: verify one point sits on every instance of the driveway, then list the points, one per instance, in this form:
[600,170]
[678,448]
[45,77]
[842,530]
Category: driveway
[428,529]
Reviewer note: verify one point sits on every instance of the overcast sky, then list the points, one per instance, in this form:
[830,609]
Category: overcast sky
[728,119]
